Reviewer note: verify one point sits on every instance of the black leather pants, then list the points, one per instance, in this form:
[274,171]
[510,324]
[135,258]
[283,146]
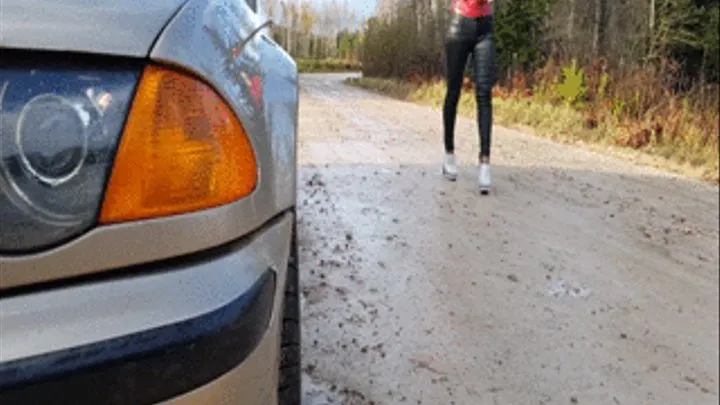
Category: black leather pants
[465,37]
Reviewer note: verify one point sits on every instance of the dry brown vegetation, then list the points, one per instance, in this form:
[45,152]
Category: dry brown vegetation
[633,75]
[676,132]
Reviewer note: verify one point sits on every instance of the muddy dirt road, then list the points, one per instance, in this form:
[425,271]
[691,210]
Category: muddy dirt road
[581,279]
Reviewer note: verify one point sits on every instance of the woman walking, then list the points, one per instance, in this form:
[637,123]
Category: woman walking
[471,33]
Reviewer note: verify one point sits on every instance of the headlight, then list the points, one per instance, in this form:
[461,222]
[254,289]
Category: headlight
[69,159]
[59,128]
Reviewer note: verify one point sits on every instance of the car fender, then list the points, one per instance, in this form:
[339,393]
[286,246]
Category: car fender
[226,43]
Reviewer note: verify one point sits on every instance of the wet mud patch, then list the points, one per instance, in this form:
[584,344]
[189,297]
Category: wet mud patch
[431,269]
[321,392]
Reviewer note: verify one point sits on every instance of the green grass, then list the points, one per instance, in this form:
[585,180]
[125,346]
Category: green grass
[327,65]
[563,124]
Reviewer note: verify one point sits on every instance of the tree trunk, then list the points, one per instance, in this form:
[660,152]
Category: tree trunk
[651,28]
[599,28]
[571,21]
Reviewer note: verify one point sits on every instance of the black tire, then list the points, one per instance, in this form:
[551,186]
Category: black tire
[290,384]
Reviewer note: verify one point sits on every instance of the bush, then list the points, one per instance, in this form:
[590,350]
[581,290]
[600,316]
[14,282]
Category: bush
[566,101]
[327,65]
[572,87]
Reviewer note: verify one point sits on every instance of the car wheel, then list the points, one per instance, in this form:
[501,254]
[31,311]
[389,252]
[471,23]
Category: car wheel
[290,387]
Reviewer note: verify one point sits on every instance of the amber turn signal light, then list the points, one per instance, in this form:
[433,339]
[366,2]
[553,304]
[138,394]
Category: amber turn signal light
[183,150]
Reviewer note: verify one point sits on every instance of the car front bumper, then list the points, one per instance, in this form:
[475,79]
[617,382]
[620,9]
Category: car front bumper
[194,330]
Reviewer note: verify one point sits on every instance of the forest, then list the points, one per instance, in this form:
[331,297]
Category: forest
[623,35]
[633,74]
[320,36]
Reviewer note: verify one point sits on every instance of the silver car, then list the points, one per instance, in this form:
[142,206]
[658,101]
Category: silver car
[147,204]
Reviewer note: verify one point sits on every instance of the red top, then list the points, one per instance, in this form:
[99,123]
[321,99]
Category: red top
[473,8]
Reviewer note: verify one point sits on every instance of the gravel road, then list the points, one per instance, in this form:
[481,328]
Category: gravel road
[581,279]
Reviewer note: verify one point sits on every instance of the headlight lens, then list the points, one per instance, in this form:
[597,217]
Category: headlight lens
[59,129]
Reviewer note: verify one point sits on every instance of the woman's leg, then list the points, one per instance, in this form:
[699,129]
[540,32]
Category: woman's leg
[485,76]
[456,53]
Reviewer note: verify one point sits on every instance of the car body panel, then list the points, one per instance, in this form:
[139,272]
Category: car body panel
[109,27]
[225,44]
[242,53]
[113,247]
[254,382]
[64,319]
[61,318]
[281,91]
[161,273]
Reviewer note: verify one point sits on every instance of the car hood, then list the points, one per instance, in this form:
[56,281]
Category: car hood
[111,27]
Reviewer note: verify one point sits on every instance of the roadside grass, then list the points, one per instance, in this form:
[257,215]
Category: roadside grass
[690,154]
[327,65]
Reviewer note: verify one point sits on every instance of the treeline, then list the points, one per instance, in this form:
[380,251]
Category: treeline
[309,30]
[643,72]
[625,34]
